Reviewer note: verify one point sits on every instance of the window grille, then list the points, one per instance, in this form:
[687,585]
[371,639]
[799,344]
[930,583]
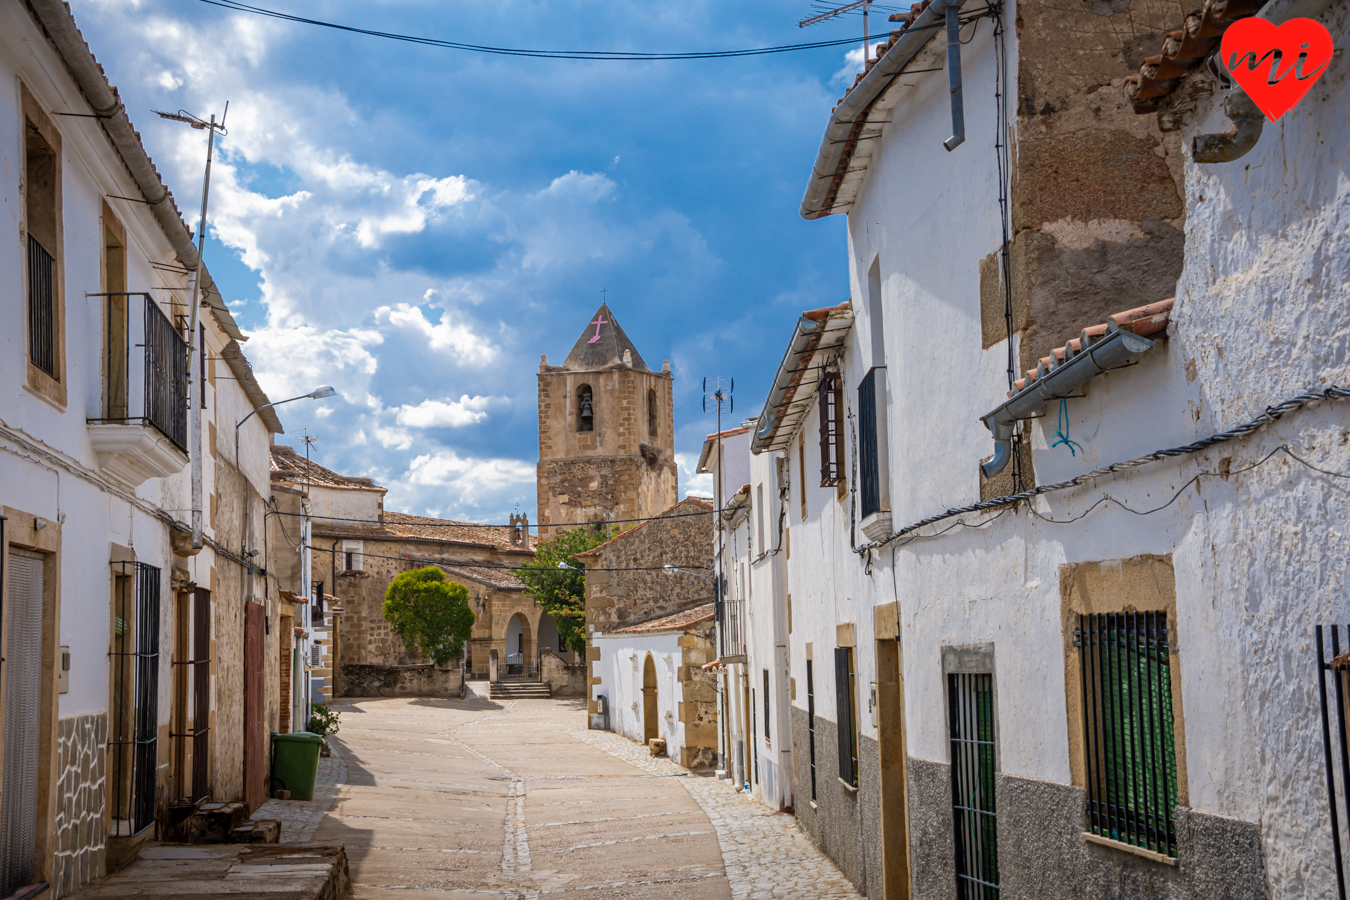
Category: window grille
[811,722]
[845,697]
[165,375]
[731,636]
[23,706]
[316,655]
[828,391]
[869,463]
[1334,662]
[970,708]
[1129,746]
[754,735]
[766,708]
[132,744]
[41,307]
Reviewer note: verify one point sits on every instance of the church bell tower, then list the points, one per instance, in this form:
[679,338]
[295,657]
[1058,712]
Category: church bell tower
[606,433]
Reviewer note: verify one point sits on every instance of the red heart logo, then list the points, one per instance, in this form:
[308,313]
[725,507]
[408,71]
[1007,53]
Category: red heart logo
[1276,64]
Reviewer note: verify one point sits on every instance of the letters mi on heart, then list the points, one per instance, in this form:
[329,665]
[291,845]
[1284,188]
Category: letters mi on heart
[1276,64]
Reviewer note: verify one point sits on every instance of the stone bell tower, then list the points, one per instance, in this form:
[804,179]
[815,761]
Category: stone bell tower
[606,432]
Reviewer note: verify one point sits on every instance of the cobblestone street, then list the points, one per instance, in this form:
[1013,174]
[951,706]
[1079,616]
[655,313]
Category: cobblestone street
[478,798]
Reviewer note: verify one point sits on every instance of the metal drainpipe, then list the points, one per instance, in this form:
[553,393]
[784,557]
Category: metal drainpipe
[1248,121]
[954,79]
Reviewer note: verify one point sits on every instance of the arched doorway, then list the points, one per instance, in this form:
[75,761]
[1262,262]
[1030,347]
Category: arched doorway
[548,636]
[649,716]
[519,645]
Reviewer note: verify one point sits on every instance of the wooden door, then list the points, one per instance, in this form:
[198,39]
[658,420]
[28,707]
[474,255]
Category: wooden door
[255,750]
[649,712]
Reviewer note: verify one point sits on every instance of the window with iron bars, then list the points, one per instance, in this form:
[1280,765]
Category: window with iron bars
[133,741]
[1130,751]
[970,710]
[869,463]
[846,698]
[829,394]
[811,722]
[41,307]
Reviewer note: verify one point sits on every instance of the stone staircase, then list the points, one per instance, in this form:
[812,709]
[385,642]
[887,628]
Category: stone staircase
[520,690]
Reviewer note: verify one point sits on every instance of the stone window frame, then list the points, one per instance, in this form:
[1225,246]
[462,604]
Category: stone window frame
[353,556]
[51,388]
[1144,583]
[971,659]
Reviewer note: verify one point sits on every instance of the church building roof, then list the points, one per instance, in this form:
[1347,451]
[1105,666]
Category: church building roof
[602,345]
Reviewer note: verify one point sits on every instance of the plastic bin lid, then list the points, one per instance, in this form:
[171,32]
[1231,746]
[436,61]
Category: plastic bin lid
[303,737]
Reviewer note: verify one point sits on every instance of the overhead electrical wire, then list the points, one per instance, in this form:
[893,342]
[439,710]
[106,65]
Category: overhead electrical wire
[451,524]
[618,55]
[496,567]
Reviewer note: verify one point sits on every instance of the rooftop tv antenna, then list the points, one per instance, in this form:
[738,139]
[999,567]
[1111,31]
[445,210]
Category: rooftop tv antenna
[864,5]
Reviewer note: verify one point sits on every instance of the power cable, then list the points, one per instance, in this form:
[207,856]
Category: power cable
[500,568]
[1271,414]
[450,524]
[619,55]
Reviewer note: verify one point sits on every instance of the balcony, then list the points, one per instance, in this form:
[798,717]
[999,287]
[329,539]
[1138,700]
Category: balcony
[143,431]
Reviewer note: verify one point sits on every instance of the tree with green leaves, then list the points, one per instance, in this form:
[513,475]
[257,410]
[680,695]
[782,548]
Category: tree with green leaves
[430,614]
[561,592]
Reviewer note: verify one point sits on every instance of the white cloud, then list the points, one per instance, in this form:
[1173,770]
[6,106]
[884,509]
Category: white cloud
[393,438]
[460,339]
[695,485]
[470,478]
[589,187]
[439,414]
[853,64]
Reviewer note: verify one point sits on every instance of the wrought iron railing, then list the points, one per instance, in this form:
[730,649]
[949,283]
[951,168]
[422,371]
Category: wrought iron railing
[970,700]
[730,627]
[149,386]
[133,738]
[41,307]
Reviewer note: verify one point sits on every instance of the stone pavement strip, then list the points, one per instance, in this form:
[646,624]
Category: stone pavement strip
[477,798]
[765,854]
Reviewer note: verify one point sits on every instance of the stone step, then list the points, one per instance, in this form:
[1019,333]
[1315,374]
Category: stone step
[208,871]
[521,690]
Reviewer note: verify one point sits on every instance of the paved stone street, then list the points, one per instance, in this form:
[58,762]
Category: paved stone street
[474,798]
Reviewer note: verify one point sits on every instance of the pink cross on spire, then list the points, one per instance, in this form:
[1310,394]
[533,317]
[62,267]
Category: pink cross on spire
[599,320]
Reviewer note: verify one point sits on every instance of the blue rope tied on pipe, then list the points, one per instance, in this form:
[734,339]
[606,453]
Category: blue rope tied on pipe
[1062,432]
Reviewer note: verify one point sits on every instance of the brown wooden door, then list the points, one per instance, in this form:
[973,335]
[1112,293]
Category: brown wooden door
[255,750]
[201,694]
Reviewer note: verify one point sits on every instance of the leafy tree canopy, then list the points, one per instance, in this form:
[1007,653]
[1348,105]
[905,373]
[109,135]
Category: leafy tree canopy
[430,614]
[562,592]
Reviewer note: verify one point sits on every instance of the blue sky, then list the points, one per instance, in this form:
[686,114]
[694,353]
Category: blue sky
[416,226]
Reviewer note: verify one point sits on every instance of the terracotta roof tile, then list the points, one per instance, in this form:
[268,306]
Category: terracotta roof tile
[1142,320]
[674,622]
[502,578]
[289,466]
[425,529]
[1183,50]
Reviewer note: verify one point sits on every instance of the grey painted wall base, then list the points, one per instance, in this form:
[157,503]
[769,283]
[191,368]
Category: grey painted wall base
[1042,853]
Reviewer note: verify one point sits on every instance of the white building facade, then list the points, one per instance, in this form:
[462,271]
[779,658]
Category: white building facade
[1099,681]
[125,702]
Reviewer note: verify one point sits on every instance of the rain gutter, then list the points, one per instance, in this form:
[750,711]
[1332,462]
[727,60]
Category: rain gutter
[851,114]
[1248,121]
[805,339]
[1115,350]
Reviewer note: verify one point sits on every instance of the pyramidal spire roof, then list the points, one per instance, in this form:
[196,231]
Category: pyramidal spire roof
[602,344]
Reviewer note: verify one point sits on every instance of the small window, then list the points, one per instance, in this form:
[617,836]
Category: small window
[585,409]
[870,423]
[811,722]
[754,737]
[828,391]
[651,412]
[1128,730]
[767,740]
[846,701]
[970,701]
[352,560]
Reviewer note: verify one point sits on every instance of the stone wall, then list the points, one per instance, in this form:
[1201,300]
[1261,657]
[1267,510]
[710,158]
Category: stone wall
[585,489]
[80,793]
[698,708]
[564,680]
[401,681]
[618,598]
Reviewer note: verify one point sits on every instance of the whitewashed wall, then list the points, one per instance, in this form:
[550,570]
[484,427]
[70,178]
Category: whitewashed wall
[622,658]
[1262,311]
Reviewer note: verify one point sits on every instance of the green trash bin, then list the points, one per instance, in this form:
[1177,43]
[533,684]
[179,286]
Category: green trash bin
[295,763]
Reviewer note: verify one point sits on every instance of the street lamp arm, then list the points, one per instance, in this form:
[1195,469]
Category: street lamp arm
[673,569]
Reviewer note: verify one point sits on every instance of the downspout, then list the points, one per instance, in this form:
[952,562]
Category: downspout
[857,102]
[954,79]
[1248,121]
[1112,351]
